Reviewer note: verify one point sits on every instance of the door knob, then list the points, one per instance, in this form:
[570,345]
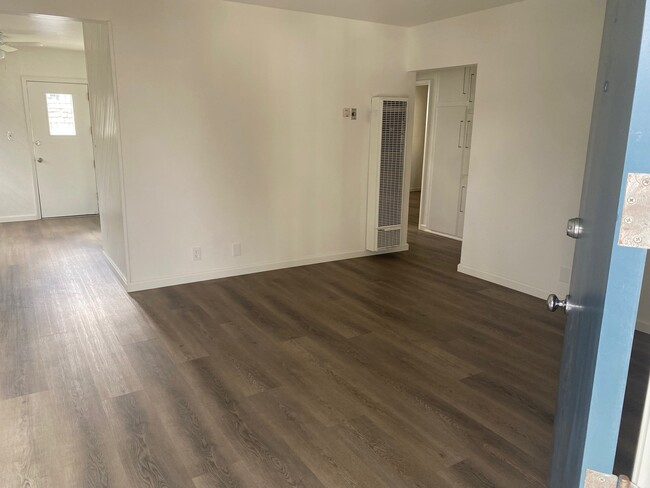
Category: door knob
[575,228]
[553,303]
[39,160]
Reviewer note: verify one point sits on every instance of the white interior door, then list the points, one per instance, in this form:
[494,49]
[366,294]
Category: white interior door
[445,170]
[63,148]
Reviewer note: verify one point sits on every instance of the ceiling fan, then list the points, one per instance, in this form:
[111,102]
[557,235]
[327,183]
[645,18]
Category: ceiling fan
[10,47]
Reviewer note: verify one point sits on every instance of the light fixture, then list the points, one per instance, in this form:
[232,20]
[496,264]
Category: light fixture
[2,54]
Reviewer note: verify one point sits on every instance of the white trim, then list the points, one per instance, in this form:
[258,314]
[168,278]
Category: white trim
[406,180]
[19,218]
[643,326]
[120,156]
[30,135]
[430,142]
[116,270]
[424,228]
[243,270]
[500,280]
[25,79]
[426,83]
[98,28]
[54,79]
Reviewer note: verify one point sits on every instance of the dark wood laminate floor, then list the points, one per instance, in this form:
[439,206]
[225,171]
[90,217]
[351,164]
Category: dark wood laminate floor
[635,395]
[391,371]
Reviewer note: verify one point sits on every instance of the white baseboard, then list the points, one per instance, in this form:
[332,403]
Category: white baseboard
[18,218]
[441,234]
[500,280]
[243,270]
[643,326]
[122,279]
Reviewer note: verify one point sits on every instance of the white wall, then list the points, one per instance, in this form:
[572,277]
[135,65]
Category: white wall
[17,189]
[232,130]
[537,63]
[106,142]
[235,134]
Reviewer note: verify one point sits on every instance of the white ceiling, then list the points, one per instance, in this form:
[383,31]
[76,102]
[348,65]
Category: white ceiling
[396,12]
[54,32]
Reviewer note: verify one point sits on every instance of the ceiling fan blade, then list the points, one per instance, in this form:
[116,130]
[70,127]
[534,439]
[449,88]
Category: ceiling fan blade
[24,44]
[7,49]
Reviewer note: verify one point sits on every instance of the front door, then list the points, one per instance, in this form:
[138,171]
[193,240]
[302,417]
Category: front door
[607,277]
[63,148]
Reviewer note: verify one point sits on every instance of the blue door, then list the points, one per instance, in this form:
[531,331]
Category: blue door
[606,281]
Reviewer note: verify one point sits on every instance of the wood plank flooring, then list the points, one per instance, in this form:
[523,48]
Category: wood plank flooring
[635,395]
[384,372]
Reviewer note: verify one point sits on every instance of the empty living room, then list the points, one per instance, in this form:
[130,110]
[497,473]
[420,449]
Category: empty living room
[324,243]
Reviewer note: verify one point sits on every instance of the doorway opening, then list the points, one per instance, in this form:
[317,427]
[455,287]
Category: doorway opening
[633,451]
[58,118]
[442,139]
[47,164]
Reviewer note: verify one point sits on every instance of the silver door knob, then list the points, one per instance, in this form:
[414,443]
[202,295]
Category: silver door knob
[553,303]
[575,228]
[39,160]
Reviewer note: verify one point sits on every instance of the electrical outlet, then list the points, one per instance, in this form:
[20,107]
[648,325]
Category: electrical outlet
[236,248]
[346,113]
[565,275]
[353,113]
[196,254]
[10,135]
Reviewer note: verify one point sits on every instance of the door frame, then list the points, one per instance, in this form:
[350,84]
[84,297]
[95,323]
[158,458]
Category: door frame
[429,144]
[28,117]
[426,83]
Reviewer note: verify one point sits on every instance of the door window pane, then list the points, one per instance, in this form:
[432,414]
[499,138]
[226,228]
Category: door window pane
[60,114]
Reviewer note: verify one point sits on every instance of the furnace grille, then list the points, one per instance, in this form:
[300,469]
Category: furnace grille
[387,155]
[391,174]
[388,238]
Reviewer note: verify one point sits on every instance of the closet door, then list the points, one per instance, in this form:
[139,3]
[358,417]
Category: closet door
[467,144]
[461,205]
[445,171]
[454,85]
[471,81]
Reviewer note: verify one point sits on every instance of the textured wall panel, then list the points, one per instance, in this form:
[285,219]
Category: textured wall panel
[103,110]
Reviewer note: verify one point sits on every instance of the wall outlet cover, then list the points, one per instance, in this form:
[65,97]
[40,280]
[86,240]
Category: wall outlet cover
[196,254]
[236,249]
[565,275]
